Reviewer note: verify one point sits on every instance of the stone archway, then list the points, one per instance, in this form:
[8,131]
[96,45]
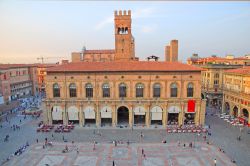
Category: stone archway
[57,115]
[227,108]
[73,114]
[139,115]
[89,115]
[235,111]
[173,115]
[156,115]
[106,116]
[123,115]
[245,115]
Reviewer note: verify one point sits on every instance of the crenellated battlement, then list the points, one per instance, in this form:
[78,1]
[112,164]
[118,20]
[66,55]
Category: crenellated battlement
[122,13]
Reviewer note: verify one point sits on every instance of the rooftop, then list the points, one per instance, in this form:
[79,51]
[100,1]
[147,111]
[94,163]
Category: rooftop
[245,71]
[8,66]
[131,66]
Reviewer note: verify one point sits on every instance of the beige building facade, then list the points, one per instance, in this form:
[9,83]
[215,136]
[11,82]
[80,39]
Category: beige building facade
[236,96]
[136,96]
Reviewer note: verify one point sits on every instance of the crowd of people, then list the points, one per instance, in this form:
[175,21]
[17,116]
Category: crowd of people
[18,152]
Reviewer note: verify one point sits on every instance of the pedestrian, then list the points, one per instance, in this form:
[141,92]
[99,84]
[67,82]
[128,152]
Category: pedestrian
[184,145]
[36,140]
[115,143]
[52,136]
[215,162]
[20,121]
[144,155]
[128,143]
[113,163]
[94,146]
[63,137]
[142,151]
[77,150]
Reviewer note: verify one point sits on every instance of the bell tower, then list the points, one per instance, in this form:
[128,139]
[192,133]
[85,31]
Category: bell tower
[124,41]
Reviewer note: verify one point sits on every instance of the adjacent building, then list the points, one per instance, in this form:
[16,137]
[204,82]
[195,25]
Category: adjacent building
[228,60]
[41,74]
[236,97]
[212,75]
[17,80]
[112,87]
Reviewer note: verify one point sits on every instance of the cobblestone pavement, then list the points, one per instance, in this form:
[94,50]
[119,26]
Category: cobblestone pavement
[223,136]
[122,155]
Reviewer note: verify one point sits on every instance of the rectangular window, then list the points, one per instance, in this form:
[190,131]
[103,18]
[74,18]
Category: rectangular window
[173,92]
[89,92]
[157,92]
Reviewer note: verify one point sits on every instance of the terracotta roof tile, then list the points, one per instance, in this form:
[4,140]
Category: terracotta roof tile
[244,70]
[123,66]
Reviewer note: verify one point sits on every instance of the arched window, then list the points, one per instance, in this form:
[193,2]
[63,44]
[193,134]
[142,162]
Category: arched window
[72,90]
[216,76]
[122,90]
[173,91]
[106,90]
[89,90]
[190,90]
[139,90]
[56,90]
[157,90]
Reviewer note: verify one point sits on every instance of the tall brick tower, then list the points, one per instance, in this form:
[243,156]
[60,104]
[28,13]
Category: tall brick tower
[124,41]
[171,51]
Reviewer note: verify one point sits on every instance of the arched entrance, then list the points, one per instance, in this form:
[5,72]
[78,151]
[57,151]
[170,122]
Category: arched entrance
[122,115]
[89,115]
[106,116]
[156,115]
[235,111]
[73,115]
[139,115]
[173,114]
[57,115]
[245,115]
[227,108]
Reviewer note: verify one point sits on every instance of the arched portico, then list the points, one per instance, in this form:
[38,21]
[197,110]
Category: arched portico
[156,115]
[139,115]
[227,108]
[89,115]
[57,115]
[73,114]
[123,115]
[173,114]
[235,111]
[106,115]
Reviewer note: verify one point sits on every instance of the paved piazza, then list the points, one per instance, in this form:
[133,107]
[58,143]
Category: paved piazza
[223,136]
[122,155]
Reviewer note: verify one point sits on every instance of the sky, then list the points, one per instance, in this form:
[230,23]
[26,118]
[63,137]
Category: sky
[54,29]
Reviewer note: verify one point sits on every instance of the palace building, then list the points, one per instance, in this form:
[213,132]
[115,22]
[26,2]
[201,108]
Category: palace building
[236,96]
[112,87]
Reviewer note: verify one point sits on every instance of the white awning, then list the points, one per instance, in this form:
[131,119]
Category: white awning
[73,113]
[139,110]
[174,109]
[89,113]
[57,113]
[156,113]
[106,112]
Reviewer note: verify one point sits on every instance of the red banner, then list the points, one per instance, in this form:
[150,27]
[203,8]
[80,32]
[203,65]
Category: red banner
[191,106]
